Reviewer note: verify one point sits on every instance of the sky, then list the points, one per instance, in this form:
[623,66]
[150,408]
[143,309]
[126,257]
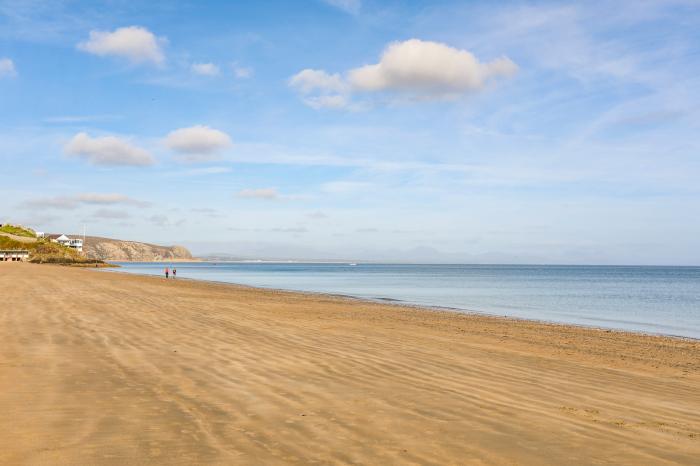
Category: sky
[435,131]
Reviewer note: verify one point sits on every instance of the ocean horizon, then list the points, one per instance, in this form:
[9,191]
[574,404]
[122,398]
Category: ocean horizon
[649,299]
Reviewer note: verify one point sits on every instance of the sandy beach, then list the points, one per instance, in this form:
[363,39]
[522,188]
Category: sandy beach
[105,368]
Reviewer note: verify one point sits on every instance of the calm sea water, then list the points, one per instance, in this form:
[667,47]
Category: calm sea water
[648,299]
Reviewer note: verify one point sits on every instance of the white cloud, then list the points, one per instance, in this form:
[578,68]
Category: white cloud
[425,67]
[205,69]
[419,68]
[349,6]
[197,143]
[269,194]
[137,44]
[7,68]
[108,150]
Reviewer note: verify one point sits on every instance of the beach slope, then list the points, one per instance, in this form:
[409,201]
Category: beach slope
[107,368]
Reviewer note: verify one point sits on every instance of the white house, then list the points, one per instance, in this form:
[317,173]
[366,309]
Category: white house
[60,239]
[75,243]
[40,234]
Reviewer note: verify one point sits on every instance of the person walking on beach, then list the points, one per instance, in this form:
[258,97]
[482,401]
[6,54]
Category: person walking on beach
[174,272]
[167,272]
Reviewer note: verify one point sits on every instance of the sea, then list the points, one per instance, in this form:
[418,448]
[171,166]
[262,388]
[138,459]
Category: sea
[658,300]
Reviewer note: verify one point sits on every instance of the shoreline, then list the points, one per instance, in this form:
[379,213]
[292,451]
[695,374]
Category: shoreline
[367,262]
[164,261]
[429,308]
[120,368]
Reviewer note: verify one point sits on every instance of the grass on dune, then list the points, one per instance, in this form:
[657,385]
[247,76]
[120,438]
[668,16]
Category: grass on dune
[17,231]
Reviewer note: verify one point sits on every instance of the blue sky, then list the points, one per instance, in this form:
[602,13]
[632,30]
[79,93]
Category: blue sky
[416,131]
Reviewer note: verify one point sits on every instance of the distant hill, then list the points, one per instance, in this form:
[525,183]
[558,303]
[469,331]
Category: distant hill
[108,249]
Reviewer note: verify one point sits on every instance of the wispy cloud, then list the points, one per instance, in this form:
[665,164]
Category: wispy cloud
[267,194]
[110,214]
[164,221]
[209,212]
[159,220]
[320,89]
[42,21]
[70,119]
[7,68]
[318,215]
[75,201]
[199,171]
[206,69]
[242,72]
[290,230]
[338,187]
[281,155]
[95,198]
[348,6]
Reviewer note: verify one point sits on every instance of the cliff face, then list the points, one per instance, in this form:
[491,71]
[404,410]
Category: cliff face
[116,250]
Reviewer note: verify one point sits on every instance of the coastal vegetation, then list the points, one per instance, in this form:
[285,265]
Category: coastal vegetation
[43,251]
[17,230]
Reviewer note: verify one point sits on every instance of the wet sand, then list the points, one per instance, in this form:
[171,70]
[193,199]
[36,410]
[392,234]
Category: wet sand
[103,368]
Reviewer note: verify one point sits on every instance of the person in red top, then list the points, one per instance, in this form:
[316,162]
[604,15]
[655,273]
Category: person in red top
[167,272]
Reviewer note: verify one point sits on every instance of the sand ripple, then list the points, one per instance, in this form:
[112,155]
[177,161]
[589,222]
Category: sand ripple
[100,368]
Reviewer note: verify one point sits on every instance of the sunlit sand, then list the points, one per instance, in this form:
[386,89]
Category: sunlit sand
[104,368]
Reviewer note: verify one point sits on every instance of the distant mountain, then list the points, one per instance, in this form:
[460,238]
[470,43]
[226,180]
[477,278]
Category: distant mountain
[222,257]
[108,249]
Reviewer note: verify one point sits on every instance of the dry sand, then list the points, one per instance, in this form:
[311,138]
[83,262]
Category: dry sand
[105,368]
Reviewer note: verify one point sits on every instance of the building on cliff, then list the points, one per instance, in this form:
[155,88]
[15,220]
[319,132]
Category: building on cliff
[75,243]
